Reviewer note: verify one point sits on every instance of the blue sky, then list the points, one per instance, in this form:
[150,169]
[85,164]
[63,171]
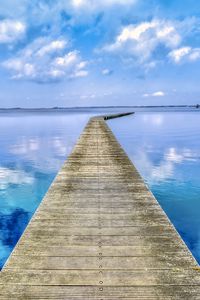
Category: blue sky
[105,52]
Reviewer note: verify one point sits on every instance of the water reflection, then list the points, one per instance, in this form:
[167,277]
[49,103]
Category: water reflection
[165,147]
[32,149]
[11,227]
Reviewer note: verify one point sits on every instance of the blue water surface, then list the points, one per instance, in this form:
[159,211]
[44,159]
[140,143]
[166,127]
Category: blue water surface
[33,147]
[165,148]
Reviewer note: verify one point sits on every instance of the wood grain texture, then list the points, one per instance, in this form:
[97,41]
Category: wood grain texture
[100,234]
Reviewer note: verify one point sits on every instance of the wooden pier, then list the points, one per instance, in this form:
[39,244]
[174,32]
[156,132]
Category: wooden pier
[99,233]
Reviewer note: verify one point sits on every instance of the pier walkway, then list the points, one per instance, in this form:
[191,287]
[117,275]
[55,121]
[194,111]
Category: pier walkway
[100,234]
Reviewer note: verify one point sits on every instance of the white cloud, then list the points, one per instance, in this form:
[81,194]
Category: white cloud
[155,94]
[8,176]
[20,68]
[55,74]
[158,94]
[71,62]
[11,31]
[88,97]
[106,72]
[68,59]
[48,12]
[184,54]
[14,64]
[46,60]
[80,73]
[178,54]
[82,65]
[52,47]
[141,40]
[96,5]
[148,43]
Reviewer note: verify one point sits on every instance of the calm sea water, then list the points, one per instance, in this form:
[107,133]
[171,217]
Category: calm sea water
[32,149]
[165,148]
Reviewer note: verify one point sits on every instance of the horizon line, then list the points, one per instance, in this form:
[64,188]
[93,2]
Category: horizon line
[109,106]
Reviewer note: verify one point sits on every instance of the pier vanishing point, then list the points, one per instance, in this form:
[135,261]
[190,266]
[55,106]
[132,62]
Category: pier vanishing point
[99,234]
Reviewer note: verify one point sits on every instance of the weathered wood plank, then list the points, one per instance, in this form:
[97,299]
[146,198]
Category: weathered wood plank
[113,277]
[91,263]
[93,292]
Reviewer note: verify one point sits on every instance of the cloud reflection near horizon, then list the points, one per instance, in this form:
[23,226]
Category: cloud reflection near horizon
[33,147]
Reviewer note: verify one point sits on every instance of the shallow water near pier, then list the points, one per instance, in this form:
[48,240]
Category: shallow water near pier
[33,147]
[164,146]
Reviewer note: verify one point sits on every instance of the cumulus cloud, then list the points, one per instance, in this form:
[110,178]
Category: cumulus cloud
[155,94]
[66,60]
[53,46]
[46,60]
[107,72]
[184,54]
[96,5]
[46,7]
[55,14]
[72,63]
[79,73]
[141,40]
[143,44]
[11,31]
[148,43]
[158,94]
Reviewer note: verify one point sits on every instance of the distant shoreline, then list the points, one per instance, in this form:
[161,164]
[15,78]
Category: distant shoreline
[102,109]
[197,106]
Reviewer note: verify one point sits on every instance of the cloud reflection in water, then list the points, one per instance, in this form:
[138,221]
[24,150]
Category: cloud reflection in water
[32,149]
[165,148]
